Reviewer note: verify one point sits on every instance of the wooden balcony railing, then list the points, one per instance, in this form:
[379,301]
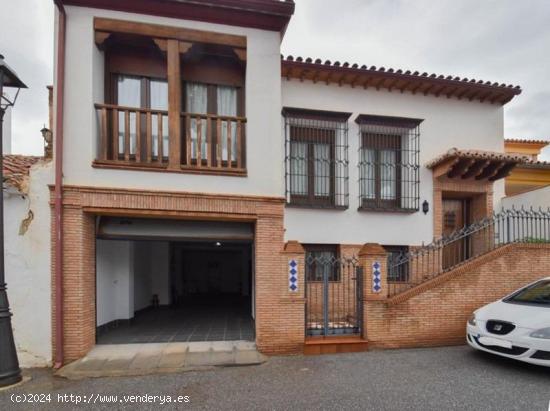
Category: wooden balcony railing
[136,137]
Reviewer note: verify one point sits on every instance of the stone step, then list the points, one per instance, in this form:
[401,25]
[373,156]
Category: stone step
[143,359]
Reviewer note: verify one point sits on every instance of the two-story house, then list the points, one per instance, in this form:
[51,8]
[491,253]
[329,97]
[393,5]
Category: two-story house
[209,189]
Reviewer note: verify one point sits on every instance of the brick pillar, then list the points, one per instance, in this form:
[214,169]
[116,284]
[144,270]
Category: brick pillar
[280,311]
[78,284]
[373,257]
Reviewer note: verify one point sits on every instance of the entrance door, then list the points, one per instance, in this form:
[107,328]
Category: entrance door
[455,216]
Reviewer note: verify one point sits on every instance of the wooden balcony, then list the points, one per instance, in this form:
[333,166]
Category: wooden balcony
[136,138]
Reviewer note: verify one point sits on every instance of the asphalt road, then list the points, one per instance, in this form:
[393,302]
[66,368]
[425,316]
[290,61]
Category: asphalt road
[453,378]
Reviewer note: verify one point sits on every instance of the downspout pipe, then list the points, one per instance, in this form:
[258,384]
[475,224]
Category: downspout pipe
[58,190]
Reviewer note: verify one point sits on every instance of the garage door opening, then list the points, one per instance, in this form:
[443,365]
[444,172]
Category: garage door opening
[163,281]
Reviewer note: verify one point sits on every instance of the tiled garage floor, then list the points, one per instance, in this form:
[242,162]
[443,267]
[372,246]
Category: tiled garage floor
[205,319]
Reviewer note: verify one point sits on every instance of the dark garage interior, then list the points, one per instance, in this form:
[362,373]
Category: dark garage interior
[165,287]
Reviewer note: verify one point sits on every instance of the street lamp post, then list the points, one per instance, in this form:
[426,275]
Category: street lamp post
[10,373]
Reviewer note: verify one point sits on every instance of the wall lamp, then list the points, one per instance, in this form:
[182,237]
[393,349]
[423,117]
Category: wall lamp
[425,207]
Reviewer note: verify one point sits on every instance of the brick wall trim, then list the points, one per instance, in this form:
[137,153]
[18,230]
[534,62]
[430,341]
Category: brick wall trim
[293,247]
[279,317]
[372,249]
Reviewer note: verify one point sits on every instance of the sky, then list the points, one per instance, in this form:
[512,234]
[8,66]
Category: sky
[498,40]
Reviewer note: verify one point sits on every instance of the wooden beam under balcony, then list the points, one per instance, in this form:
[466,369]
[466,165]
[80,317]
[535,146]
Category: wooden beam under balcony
[168,32]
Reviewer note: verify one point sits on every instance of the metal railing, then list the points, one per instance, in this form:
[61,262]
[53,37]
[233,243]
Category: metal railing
[410,269]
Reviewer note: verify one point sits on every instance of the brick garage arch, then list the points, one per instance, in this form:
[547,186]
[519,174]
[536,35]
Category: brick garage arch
[274,332]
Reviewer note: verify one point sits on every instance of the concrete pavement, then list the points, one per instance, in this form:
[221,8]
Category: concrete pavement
[453,378]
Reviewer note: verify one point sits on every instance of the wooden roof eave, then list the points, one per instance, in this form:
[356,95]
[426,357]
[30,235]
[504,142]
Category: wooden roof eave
[504,171]
[478,169]
[434,85]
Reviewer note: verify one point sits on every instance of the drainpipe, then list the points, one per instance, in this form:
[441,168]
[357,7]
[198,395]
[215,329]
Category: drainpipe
[58,191]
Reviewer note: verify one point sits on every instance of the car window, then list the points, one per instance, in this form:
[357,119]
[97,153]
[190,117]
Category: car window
[538,293]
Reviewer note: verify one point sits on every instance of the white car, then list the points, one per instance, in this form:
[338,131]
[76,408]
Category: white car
[518,326]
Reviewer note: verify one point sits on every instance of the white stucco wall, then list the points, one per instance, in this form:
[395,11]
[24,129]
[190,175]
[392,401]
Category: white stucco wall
[128,273]
[447,123]
[27,266]
[84,86]
[114,281]
[534,198]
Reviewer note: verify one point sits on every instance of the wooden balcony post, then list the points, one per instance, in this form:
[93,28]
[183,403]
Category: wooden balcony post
[174,104]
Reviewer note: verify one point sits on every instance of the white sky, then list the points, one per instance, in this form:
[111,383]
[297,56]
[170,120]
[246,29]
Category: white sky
[498,40]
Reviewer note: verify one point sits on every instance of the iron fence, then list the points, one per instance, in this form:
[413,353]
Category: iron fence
[316,159]
[389,163]
[406,270]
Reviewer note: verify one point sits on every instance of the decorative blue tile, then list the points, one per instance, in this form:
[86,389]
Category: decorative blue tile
[293,276]
[376,277]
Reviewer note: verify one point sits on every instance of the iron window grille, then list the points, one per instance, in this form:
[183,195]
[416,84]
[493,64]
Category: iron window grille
[322,260]
[389,163]
[316,158]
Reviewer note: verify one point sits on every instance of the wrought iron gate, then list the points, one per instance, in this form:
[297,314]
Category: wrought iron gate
[333,295]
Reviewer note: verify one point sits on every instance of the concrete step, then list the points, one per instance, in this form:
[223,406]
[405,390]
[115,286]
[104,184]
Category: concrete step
[142,359]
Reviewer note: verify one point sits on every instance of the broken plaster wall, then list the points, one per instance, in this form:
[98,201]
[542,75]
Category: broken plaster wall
[27,265]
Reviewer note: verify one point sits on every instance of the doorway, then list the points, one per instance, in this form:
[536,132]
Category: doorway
[456,215]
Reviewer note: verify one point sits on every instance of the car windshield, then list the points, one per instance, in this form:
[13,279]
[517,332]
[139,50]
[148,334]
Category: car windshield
[538,293]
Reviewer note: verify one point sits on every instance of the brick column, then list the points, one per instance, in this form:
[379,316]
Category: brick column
[373,258]
[78,284]
[280,308]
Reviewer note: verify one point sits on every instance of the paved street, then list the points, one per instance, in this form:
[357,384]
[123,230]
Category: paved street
[419,379]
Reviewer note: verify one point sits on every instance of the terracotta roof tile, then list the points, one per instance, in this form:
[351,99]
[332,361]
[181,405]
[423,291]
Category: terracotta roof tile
[397,79]
[479,155]
[526,141]
[16,170]
[536,164]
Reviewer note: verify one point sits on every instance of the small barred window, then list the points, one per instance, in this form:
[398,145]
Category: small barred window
[316,158]
[389,163]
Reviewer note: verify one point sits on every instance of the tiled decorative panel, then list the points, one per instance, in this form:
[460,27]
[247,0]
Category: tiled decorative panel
[292,276]
[376,281]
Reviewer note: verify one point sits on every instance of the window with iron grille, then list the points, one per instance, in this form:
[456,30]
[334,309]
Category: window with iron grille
[388,163]
[321,260]
[316,157]
[398,266]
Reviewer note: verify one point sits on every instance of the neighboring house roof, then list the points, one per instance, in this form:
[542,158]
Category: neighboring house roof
[478,164]
[536,164]
[527,141]
[392,79]
[16,170]
[528,147]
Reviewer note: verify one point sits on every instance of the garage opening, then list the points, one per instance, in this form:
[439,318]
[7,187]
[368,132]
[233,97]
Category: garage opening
[173,281]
